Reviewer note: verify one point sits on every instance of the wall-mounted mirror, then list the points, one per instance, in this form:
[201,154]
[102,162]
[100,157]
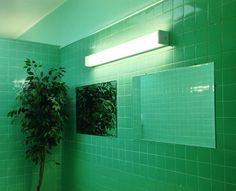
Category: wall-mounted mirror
[96,109]
[176,106]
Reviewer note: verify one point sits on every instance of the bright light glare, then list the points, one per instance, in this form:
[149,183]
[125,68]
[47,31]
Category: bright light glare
[199,88]
[133,47]
[18,83]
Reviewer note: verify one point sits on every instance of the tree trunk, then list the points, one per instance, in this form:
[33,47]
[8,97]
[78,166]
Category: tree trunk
[41,170]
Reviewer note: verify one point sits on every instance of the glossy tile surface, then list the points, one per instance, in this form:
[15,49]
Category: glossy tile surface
[17,173]
[202,31]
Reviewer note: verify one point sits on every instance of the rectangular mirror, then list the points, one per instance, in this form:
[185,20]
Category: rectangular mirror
[96,109]
[176,106]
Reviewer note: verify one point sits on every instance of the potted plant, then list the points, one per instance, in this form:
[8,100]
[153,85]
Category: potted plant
[41,112]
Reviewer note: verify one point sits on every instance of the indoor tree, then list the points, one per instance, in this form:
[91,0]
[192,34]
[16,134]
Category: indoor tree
[41,112]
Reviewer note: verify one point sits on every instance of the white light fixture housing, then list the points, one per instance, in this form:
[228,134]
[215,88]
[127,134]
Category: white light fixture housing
[133,47]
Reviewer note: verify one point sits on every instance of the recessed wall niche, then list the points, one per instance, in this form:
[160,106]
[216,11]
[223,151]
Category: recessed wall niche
[96,109]
[176,106]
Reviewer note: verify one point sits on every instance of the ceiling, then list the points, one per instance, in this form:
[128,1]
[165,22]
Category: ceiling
[77,19]
[17,16]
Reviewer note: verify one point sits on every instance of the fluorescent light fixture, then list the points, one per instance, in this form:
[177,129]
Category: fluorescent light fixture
[136,46]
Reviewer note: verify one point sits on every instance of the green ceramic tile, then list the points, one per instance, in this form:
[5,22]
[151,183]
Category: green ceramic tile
[217,173]
[228,44]
[170,163]
[228,9]
[160,162]
[170,150]
[202,4]
[191,153]
[201,50]
[229,76]
[214,47]
[180,151]
[178,13]
[189,8]
[219,125]
[230,125]
[191,168]
[217,186]
[204,170]
[230,157]
[201,19]
[215,15]
[204,184]
[180,165]
[227,59]
[215,3]
[189,39]
[230,175]
[189,24]
[229,109]
[177,3]
[171,177]
[152,147]
[189,52]
[192,183]
[217,61]
[179,55]
[204,155]
[229,187]
[151,160]
[220,141]
[219,93]
[230,142]
[167,5]
[215,33]
[219,109]
[178,27]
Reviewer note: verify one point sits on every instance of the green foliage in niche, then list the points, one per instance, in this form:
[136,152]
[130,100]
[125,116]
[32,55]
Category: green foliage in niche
[96,109]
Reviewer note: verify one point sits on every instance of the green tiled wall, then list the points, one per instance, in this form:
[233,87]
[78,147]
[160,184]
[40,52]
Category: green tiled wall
[175,106]
[17,173]
[202,31]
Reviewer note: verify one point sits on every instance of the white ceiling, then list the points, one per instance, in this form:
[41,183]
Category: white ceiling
[17,16]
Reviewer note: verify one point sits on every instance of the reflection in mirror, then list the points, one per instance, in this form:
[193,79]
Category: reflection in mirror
[96,109]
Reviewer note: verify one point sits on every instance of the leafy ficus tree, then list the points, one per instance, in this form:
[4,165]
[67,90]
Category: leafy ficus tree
[41,112]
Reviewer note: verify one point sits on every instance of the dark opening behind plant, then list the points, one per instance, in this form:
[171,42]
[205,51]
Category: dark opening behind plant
[41,112]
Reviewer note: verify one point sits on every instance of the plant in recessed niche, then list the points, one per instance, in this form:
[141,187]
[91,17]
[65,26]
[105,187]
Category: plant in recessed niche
[41,112]
[96,109]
